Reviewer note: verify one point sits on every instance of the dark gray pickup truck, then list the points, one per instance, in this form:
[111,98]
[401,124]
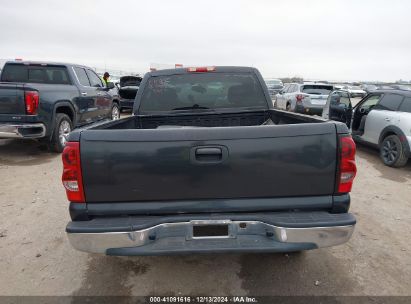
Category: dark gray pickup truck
[206,165]
[45,100]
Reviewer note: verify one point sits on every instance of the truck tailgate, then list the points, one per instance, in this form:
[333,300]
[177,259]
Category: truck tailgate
[11,99]
[207,163]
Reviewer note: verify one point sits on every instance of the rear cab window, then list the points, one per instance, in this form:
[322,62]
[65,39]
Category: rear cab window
[202,91]
[35,73]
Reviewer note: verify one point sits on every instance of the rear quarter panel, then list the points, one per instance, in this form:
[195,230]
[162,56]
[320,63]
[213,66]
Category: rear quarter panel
[11,100]
[375,122]
[404,122]
[51,96]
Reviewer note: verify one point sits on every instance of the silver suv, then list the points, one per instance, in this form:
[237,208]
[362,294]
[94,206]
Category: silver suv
[381,119]
[306,98]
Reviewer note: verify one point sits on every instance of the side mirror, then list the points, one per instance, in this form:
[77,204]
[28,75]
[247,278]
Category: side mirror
[110,85]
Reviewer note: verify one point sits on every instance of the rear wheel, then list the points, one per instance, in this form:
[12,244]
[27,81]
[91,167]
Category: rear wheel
[62,128]
[288,108]
[115,112]
[392,152]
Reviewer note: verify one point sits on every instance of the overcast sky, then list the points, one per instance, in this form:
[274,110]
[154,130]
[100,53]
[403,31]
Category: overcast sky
[335,40]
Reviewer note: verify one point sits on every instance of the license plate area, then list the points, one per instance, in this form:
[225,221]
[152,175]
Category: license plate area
[211,229]
[318,101]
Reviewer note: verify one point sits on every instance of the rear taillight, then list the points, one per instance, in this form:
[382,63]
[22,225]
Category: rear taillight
[201,69]
[348,169]
[72,179]
[299,97]
[31,99]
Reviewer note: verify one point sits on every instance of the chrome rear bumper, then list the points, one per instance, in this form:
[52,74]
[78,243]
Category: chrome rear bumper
[242,236]
[29,130]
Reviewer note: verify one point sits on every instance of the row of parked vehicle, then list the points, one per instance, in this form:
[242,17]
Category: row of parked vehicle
[382,118]
[46,101]
[276,86]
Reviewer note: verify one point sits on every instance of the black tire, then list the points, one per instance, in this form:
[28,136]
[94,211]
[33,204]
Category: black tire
[115,108]
[392,152]
[61,123]
[288,107]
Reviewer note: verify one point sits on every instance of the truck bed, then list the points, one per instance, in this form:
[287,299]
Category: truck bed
[252,118]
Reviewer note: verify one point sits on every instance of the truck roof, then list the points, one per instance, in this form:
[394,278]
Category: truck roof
[316,83]
[400,92]
[223,69]
[28,62]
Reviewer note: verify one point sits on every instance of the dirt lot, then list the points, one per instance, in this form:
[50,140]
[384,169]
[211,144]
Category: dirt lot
[36,258]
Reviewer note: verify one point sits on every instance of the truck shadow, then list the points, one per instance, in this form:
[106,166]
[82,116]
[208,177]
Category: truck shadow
[15,152]
[316,272]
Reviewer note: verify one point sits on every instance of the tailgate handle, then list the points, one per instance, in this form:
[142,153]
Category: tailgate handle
[209,151]
[209,155]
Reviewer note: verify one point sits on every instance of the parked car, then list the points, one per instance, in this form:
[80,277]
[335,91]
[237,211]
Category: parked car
[368,87]
[127,90]
[206,164]
[307,98]
[382,119]
[46,101]
[274,86]
[355,91]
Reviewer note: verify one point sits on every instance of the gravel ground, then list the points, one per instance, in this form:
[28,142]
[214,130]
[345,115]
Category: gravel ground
[36,258]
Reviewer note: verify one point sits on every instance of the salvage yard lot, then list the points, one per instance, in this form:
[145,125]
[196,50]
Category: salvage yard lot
[36,258]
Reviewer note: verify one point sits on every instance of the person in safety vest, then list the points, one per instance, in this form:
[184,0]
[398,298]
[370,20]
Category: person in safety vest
[106,76]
